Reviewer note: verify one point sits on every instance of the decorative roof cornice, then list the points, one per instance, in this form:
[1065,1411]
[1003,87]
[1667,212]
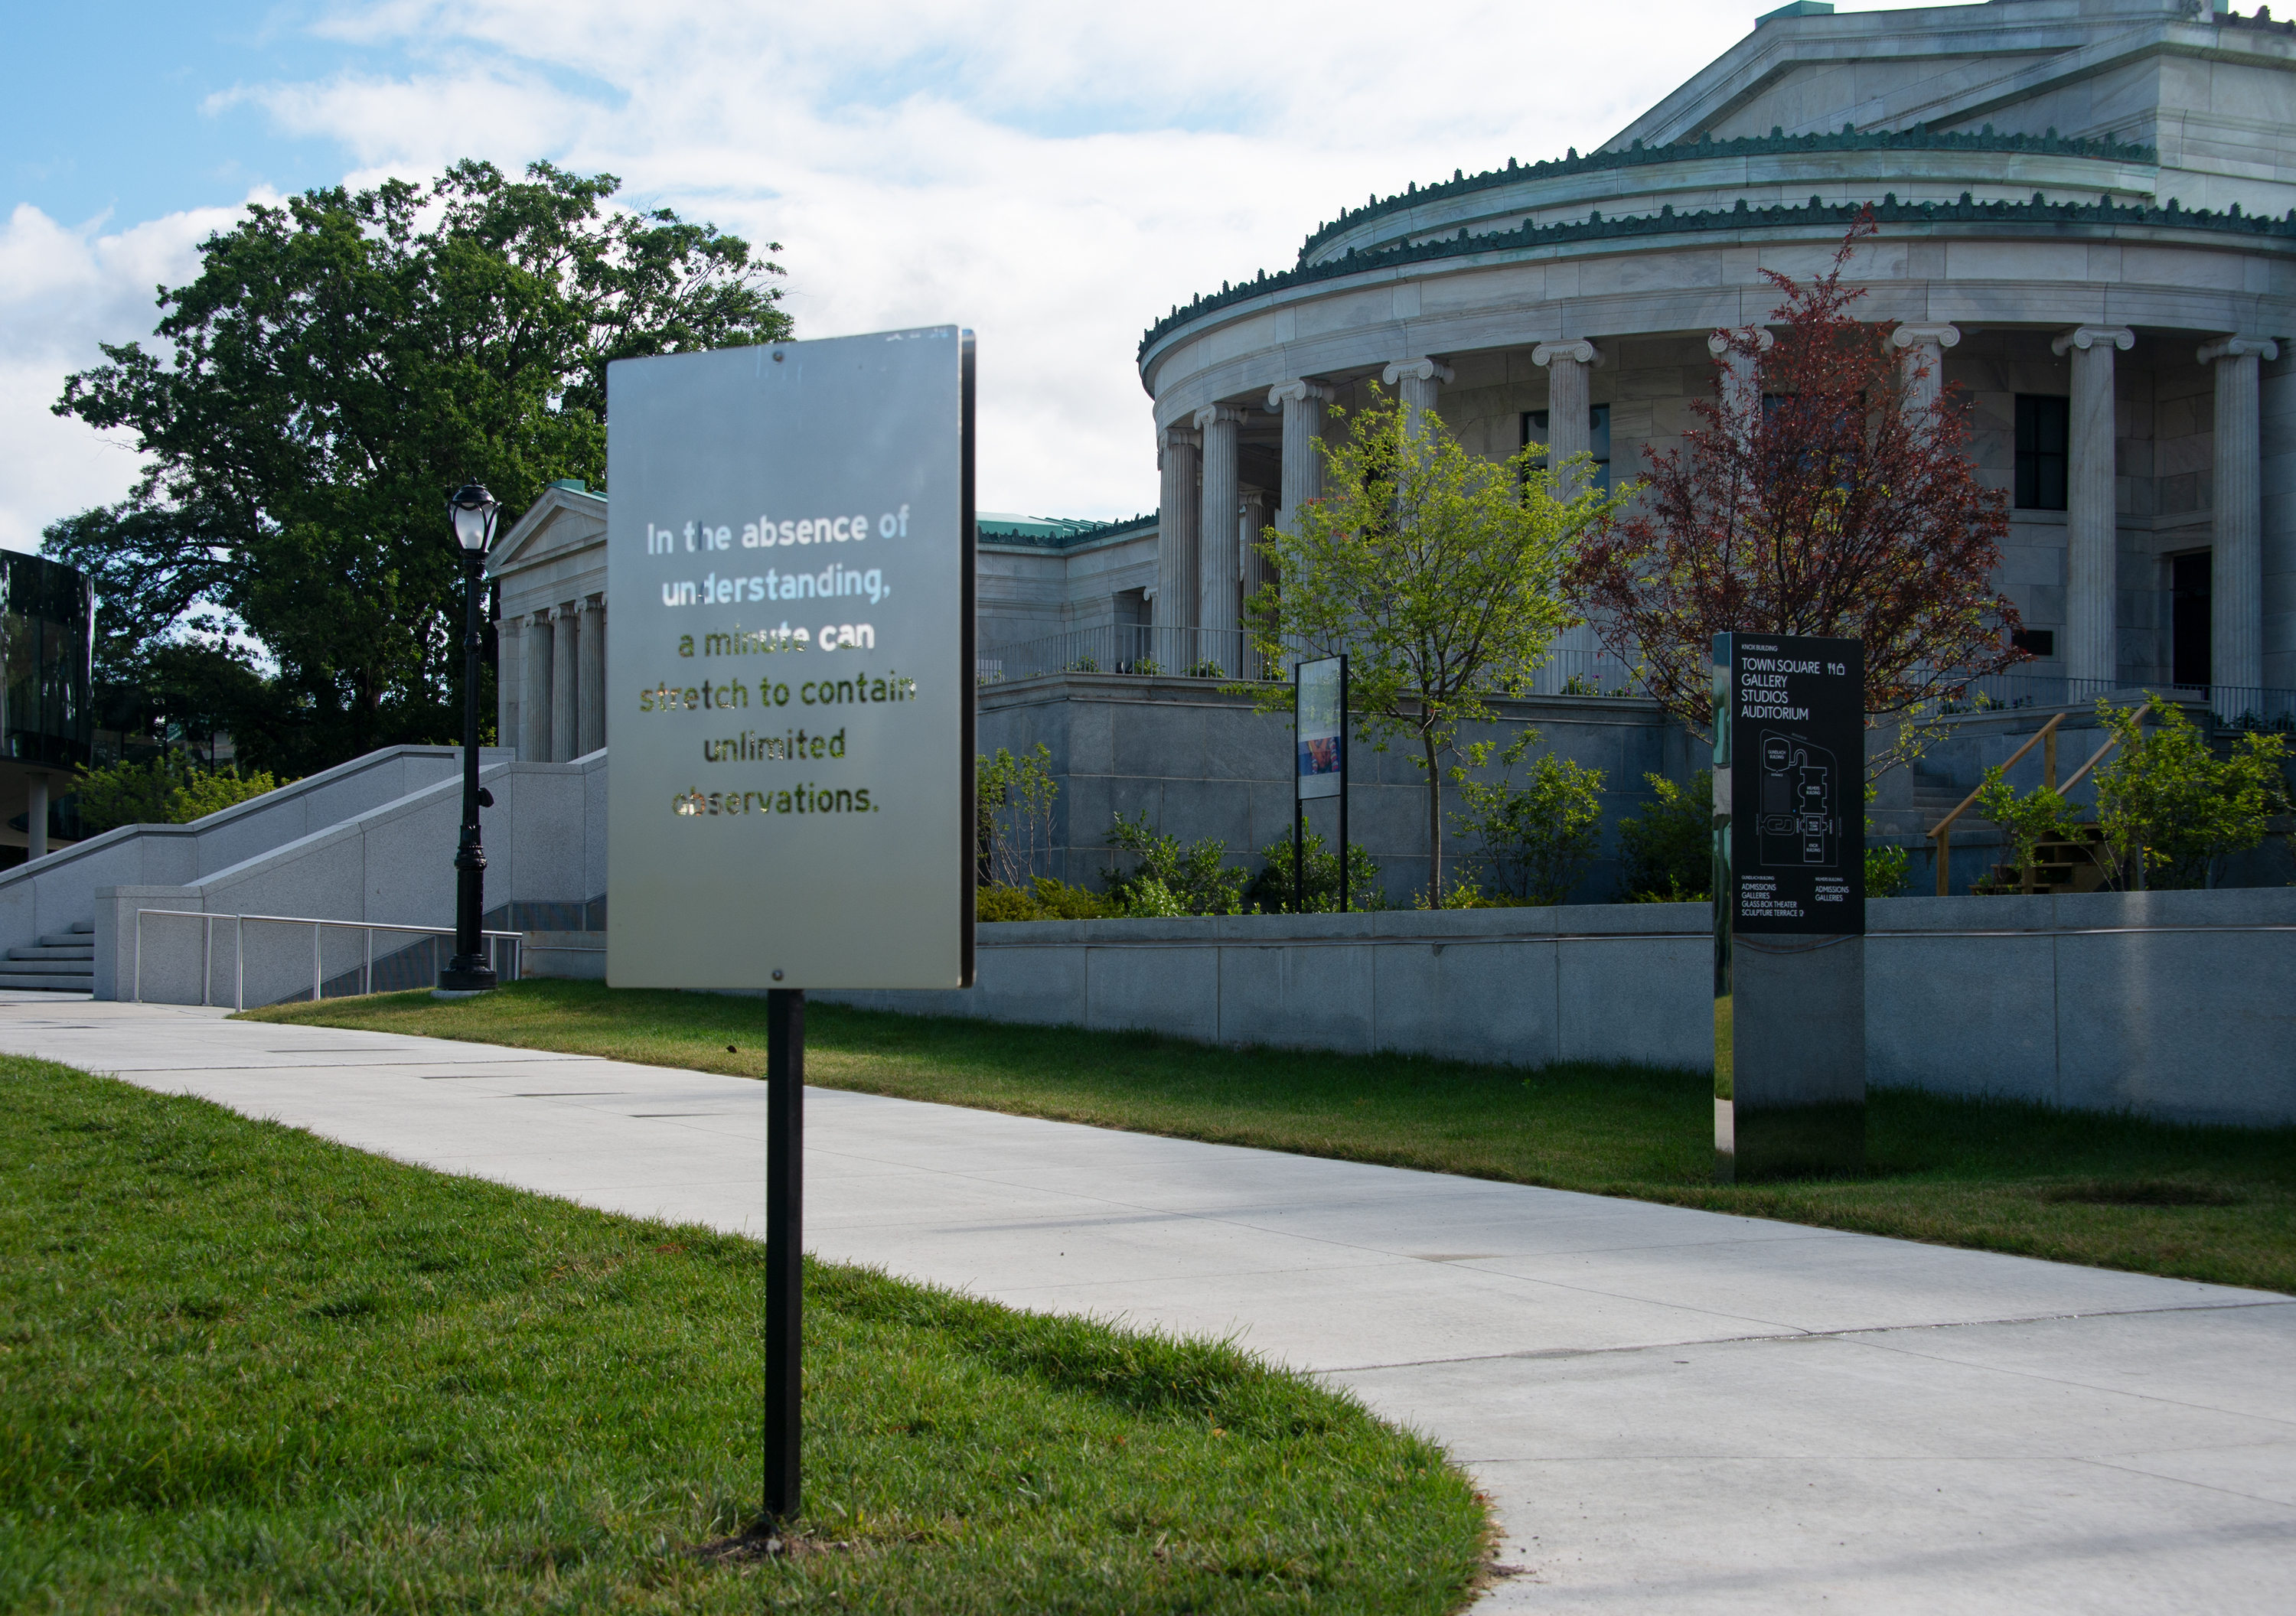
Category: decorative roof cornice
[1889,211]
[1777,141]
[988,533]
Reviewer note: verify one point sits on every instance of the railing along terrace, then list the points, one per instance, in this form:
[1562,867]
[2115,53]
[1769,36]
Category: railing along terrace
[1145,651]
[497,944]
[2236,707]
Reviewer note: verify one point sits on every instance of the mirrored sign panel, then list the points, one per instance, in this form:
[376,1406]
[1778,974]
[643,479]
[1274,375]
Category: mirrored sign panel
[789,674]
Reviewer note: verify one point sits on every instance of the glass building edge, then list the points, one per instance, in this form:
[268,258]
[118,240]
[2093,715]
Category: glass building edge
[47,623]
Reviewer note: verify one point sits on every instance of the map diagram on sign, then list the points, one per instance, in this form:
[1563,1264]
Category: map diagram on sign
[1800,816]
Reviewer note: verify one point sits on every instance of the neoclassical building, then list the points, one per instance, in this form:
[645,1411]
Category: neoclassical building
[2086,214]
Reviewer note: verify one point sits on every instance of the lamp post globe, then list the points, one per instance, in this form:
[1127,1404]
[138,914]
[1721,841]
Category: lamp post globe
[471,511]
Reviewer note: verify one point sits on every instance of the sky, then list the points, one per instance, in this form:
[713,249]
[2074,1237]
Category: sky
[1055,175]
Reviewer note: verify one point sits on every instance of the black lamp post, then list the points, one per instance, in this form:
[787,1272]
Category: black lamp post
[474,511]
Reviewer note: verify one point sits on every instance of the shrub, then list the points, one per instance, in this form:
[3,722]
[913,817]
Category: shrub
[1043,899]
[1271,890]
[1885,871]
[2166,796]
[1540,839]
[1667,852]
[2026,821]
[163,791]
[1168,879]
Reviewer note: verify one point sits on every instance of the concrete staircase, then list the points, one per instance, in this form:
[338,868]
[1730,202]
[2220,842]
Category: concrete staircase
[60,962]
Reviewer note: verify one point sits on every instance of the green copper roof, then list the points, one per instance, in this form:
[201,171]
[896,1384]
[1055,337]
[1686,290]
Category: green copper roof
[1050,532]
[1777,141]
[1889,211]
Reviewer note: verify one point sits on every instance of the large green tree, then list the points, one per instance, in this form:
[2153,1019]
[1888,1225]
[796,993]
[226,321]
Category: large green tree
[341,364]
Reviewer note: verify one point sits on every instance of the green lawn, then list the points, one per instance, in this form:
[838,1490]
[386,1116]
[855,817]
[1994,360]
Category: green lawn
[243,1369]
[2216,1204]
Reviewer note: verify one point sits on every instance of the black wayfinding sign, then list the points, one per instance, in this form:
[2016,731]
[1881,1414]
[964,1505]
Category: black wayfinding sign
[1790,771]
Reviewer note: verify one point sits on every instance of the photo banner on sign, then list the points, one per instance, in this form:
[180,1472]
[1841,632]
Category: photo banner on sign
[1320,724]
[790,678]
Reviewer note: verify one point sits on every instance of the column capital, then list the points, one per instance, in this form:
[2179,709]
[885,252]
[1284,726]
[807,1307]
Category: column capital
[1575,348]
[2237,347]
[1724,342]
[1216,415]
[540,617]
[1418,369]
[1907,335]
[2086,337]
[1178,436]
[593,603]
[570,609]
[1297,392]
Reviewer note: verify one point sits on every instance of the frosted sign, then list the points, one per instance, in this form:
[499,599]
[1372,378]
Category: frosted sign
[1790,737]
[789,677]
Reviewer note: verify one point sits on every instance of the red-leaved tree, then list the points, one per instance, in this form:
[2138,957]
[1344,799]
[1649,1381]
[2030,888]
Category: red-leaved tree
[1819,495]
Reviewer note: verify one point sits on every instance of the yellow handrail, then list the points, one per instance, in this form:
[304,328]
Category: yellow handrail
[1942,831]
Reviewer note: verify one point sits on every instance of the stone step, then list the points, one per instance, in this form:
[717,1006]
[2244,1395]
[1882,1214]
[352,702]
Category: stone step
[80,936]
[79,948]
[85,984]
[85,928]
[20,965]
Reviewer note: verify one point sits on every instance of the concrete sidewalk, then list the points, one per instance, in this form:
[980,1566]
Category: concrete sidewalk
[1674,1410]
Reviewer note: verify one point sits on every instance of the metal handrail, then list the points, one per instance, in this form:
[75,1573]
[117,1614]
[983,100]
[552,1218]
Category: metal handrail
[318,926]
[1942,833]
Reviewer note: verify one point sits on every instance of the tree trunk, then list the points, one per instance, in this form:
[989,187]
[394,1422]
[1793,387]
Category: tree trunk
[1434,827]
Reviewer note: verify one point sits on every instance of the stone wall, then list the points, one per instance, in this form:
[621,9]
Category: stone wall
[2171,1005]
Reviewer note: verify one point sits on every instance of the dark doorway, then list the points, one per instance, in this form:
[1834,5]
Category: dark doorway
[2189,618]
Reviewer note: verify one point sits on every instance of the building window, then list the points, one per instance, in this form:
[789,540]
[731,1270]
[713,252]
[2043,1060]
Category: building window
[1598,439]
[2044,427]
[2191,618]
[2035,641]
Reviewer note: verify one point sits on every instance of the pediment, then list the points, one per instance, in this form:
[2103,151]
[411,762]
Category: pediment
[560,523]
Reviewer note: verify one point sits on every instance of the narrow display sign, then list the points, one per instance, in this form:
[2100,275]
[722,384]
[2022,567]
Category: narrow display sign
[1794,753]
[789,689]
[1320,721]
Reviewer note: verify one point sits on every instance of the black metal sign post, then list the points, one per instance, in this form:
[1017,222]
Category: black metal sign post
[785,1245]
[1319,724]
[1788,907]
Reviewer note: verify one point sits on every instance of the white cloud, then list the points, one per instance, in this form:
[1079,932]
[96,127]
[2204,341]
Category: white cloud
[63,289]
[1055,175]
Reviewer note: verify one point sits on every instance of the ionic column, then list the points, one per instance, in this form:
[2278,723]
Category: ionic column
[1302,404]
[1922,362]
[1179,551]
[1418,382]
[593,689]
[1258,573]
[1742,377]
[2092,524]
[2237,569]
[534,644]
[1570,430]
[565,704]
[1215,599]
[1570,417]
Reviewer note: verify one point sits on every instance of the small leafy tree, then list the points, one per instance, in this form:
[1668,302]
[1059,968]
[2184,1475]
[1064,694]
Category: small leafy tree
[1820,500]
[1168,879]
[1014,797]
[1271,890]
[2166,797]
[1666,853]
[1437,572]
[1540,839]
[2040,815]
